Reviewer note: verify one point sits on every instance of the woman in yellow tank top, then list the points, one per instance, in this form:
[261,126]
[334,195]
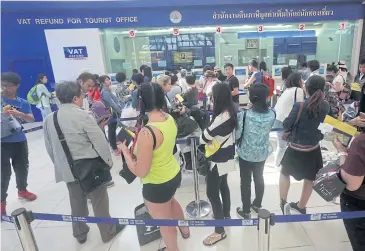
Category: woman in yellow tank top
[156,165]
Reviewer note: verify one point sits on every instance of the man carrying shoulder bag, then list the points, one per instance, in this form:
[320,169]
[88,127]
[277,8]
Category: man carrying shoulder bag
[81,157]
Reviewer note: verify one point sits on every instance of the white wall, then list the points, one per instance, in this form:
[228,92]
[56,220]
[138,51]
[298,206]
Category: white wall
[70,69]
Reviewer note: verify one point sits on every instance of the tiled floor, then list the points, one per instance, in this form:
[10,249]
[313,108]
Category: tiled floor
[57,236]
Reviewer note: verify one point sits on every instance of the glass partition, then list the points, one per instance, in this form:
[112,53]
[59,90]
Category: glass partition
[277,44]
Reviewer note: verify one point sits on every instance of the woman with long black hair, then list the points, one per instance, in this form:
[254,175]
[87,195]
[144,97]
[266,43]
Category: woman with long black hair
[221,131]
[156,165]
[303,158]
[253,147]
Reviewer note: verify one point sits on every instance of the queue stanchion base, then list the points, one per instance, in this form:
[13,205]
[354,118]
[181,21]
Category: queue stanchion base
[192,209]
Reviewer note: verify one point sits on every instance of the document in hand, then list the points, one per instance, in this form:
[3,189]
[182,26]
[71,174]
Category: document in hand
[332,127]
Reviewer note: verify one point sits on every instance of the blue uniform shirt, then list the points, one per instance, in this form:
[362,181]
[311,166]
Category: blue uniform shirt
[22,106]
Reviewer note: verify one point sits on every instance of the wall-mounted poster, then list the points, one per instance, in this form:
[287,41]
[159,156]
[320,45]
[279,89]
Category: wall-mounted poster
[198,63]
[252,44]
[210,60]
[227,58]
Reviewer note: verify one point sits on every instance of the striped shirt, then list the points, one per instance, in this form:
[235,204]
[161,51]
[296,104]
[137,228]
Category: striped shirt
[222,130]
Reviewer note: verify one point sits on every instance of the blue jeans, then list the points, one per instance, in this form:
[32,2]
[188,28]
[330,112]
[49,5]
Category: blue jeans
[45,112]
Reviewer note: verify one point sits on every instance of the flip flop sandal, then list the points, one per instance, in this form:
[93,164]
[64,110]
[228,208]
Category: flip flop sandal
[184,235]
[212,239]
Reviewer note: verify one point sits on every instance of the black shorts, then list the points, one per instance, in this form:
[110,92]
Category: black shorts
[161,193]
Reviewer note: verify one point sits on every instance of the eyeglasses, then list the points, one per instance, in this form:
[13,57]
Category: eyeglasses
[7,85]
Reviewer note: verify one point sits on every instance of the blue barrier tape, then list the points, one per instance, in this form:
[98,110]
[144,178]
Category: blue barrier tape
[319,217]
[7,218]
[134,222]
[195,223]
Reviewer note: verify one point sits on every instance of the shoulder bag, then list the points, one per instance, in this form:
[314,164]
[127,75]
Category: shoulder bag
[125,173]
[90,173]
[287,133]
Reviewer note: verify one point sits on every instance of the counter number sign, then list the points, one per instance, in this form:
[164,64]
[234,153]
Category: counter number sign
[132,33]
[218,30]
[301,27]
[260,28]
[176,32]
[342,26]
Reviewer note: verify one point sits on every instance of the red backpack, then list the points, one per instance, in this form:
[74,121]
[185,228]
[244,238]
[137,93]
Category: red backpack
[270,82]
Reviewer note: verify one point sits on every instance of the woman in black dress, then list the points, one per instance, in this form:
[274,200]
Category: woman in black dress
[303,158]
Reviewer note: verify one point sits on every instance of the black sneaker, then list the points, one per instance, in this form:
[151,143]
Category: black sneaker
[243,215]
[82,241]
[295,207]
[119,228]
[255,208]
[285,207]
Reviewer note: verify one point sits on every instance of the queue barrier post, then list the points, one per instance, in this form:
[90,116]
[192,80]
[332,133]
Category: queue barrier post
[197,208]
[266,220]
[22,219]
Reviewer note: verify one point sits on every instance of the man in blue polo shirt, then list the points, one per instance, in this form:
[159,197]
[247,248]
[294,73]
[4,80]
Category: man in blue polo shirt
[14,148]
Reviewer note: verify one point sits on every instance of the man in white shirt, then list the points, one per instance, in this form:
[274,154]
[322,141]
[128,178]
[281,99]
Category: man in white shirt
[182,82]
[87,81]
[313,67]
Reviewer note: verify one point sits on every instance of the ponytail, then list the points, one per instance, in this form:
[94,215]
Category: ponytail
[315,103]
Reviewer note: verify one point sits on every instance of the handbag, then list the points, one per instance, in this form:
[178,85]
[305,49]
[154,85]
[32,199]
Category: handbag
[185,126]
[126,173]
[90,173]
[9,126]
[287,133]
[328,183]
[203,162]
[100,112]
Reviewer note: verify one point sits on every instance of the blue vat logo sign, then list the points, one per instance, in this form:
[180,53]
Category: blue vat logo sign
[77,52]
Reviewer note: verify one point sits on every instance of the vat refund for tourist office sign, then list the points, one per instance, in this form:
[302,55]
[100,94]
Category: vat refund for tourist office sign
[210,15]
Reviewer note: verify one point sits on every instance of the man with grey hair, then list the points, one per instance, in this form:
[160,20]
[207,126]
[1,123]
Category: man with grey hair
[182,82]
[85,140]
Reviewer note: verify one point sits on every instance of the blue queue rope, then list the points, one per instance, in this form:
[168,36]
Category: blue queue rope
[194,223]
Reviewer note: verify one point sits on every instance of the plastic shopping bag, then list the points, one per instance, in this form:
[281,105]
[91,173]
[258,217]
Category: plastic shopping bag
[146,234]
[328,183]
[129,112]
